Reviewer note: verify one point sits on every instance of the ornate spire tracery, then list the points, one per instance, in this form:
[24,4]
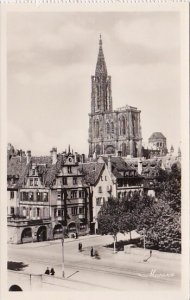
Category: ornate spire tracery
[101,68]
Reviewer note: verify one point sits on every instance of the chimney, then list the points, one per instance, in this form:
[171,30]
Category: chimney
[139,166]
[28,156]
[109,164]
[54,155]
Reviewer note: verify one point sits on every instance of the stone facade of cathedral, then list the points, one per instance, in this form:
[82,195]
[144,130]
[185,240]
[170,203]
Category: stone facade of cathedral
[111,131]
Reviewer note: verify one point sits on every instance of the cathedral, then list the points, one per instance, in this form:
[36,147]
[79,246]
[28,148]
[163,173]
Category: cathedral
[115,132]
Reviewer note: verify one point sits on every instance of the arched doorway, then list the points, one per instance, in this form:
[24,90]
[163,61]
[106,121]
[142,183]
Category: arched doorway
[42,234]
[26,235]
[72,227]
[58,231]
[15,288]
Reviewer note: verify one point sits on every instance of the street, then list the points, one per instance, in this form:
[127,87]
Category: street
[120,271]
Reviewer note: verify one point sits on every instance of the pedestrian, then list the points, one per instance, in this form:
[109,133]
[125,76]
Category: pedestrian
[92,252]
[47,271]
[79,246]
[150,252]
[76,235]
[52,272]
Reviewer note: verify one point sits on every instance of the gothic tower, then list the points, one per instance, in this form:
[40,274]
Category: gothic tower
[101,99]
[111,131]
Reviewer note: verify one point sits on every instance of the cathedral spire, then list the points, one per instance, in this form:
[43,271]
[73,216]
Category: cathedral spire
[101,64]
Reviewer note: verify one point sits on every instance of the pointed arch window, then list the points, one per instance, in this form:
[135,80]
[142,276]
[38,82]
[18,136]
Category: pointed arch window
[123,125]
[108,128]
[97,129]
[120,127]
[112,127]
[98,96]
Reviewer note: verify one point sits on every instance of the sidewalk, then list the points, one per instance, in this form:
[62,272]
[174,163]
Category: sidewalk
[52,242]
[108,239]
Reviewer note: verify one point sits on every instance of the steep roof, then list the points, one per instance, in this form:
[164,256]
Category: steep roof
[92,171]
[157,135]
[18,167]
[119,166]
[150,167]
[52,170]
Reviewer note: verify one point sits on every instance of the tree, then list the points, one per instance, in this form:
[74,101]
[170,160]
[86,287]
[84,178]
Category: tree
[160,217]
[110,218]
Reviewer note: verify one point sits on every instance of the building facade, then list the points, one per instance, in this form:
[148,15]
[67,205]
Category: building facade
[111,130]
[45,195]
[101,187]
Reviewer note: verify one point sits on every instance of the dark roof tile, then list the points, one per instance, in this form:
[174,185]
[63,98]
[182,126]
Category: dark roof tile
[92,171]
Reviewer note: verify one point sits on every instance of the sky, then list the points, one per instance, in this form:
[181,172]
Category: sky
[51,57]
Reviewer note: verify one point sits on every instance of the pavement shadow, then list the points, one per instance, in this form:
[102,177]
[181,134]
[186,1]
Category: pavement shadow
[16,266]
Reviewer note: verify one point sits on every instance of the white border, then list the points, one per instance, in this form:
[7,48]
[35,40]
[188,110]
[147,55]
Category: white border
[80,6]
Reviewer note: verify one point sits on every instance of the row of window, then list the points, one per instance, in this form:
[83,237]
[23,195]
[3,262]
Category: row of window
[126,194]
[110,127]
[63,180]
[43,211]
[128,182]
[33,212]
[74,211]
[35,181]
[34,196]
[74,194]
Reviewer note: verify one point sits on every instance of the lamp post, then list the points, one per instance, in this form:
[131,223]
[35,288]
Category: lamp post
[144,238]
[62,244]
[64,194]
